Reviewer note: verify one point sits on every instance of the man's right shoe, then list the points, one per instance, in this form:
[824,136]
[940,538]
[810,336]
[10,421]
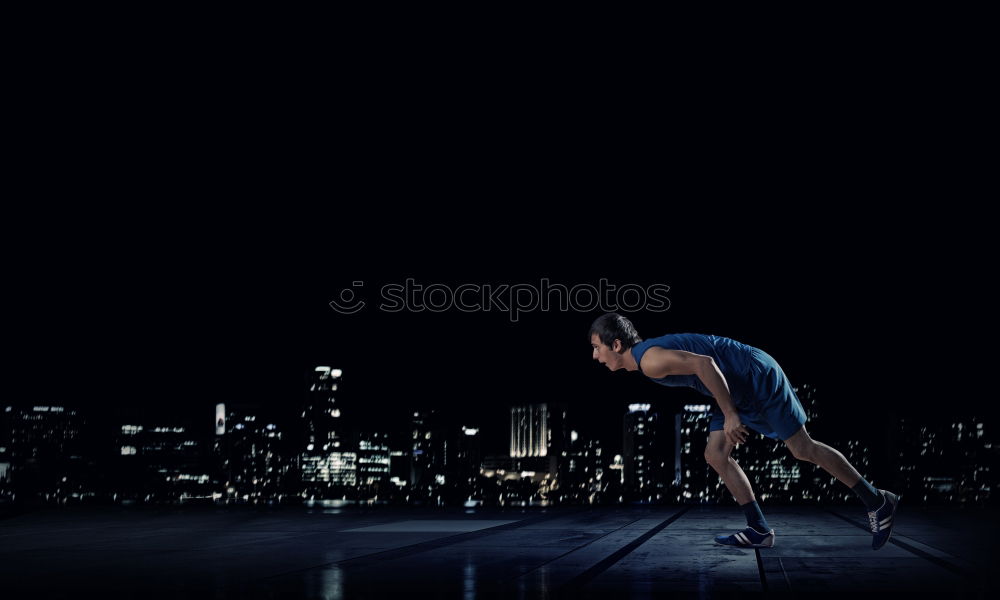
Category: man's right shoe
[748,538]
[881,521]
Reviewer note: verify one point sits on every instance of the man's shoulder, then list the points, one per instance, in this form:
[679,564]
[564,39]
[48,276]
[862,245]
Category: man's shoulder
[655,354]
[670,340]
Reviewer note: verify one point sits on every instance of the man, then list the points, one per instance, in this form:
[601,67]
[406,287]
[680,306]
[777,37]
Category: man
[750,389]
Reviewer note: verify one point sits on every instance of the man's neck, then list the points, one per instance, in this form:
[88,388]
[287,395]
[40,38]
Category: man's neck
[630,364]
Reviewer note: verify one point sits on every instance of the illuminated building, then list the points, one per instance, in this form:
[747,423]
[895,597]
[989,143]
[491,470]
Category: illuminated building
[41,453]
[647,456]
[529,431]
[161,460]
[374,461]
[426,449]
[250,451]
[695,480]
[462,453]
[949,460]
[586,473]
[327,462]
[538,436]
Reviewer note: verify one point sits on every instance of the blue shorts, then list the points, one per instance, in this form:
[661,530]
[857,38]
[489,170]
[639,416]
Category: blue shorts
[772,409]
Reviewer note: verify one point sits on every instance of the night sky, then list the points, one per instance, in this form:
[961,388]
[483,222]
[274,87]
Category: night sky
[164,321]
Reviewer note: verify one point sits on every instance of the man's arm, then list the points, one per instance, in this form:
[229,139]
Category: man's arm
[660,362]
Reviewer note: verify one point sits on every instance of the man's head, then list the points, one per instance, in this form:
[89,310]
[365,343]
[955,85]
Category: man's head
[611,336]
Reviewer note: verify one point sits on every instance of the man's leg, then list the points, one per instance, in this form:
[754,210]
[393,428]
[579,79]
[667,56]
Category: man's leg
[833,462]
[881,504]
[758,533]
[717,453]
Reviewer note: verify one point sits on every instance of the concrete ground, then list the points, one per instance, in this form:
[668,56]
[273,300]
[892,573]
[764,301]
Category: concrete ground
[565,552]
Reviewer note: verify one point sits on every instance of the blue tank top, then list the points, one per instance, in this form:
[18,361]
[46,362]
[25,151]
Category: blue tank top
[740,364]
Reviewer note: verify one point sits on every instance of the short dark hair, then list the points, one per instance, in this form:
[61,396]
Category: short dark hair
[612,326]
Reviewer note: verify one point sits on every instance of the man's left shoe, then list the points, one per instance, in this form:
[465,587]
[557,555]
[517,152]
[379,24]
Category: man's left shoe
[748,538]
[881,521]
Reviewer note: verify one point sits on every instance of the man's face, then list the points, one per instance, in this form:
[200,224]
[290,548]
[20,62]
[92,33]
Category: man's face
[607,355]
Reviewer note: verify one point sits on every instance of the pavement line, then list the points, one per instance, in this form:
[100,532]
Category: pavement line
[784,574]
[932,550]
[760,569]
[913,549]
[574,585]
[393,553]
[571,551]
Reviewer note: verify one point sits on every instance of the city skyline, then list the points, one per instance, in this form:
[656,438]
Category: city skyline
[179,333]
[548,457]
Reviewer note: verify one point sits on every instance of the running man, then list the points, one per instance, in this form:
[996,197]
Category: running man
[750,389]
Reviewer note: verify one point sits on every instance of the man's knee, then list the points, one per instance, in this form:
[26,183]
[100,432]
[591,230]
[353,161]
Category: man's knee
[716,457]
[805,450]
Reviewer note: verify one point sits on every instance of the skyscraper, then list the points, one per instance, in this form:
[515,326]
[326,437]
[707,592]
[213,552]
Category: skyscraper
[697,481]
[949,460]
[42,448]
[426,451]
[162,460]
[373,464]
[538,436]
[647,453]
[529,431]
[327,462]
[250,453]
[586,470]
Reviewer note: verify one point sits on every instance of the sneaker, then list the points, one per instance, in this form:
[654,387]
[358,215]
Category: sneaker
[881,521]
[748,538]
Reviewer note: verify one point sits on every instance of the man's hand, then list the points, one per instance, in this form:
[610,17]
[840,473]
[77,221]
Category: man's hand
[736,432]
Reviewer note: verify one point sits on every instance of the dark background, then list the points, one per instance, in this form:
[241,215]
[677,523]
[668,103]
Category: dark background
[168,316]
[179,232]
